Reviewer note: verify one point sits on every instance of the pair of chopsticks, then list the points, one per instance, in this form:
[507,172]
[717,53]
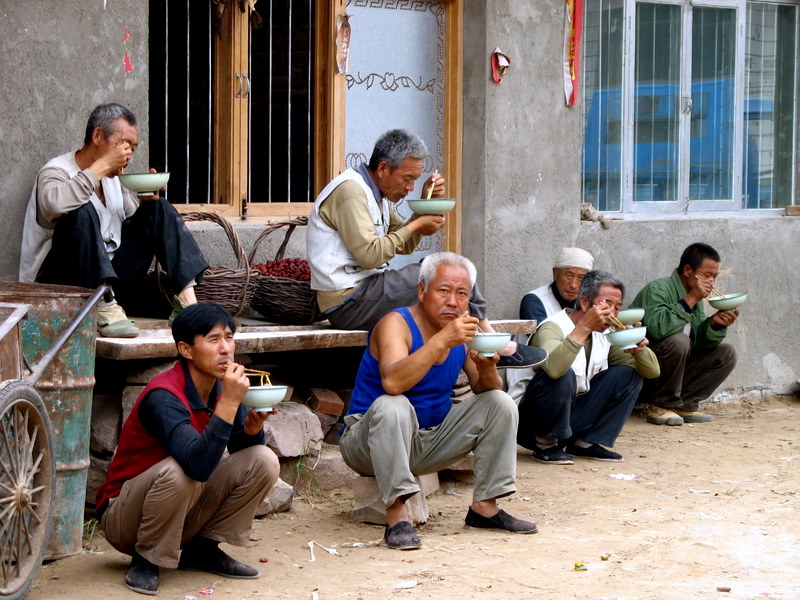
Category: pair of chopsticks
[430,189]
[618,325]
[713,289]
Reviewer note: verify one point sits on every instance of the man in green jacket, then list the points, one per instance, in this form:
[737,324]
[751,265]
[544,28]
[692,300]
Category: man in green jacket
[693,359]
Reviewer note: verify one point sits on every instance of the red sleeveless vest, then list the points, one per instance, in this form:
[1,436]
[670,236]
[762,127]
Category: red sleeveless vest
[137,450]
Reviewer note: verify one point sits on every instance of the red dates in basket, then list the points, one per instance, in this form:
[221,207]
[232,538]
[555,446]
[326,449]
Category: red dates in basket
[291,268]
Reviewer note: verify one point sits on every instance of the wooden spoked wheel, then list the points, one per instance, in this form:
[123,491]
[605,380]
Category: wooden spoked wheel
[27,477]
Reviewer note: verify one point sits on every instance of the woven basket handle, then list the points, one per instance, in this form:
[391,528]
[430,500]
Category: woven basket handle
[291,224]
[236,244]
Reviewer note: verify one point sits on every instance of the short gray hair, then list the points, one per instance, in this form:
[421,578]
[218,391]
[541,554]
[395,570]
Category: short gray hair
[594,280]
[432,262]
[105,116]
[395,146]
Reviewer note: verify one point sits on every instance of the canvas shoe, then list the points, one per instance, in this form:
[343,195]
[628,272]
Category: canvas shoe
[502,520]
[552,456]
[142,576]
[524,356]
[402,537]
[693,416]
[595,452]
[202,554]
[112,322]
[662,416]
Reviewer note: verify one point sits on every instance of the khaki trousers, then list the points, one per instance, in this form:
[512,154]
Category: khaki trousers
[387,443]
[158,511]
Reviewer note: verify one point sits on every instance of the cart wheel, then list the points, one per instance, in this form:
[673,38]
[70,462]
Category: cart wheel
[27,473]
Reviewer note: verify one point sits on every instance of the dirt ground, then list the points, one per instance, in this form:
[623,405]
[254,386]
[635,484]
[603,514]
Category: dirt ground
[691,512]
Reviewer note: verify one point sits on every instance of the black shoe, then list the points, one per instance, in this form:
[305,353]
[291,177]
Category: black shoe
[552,456]
[502,520]
[142,576]
[206,556]
[402,537]
[595,452]
[524,356]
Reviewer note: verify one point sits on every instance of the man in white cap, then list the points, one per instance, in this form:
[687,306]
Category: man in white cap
[569,269]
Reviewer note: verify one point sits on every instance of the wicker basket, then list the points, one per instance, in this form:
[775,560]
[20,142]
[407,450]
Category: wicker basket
[281,299]
[232,288]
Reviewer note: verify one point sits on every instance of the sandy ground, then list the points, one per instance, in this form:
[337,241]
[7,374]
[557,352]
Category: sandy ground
[692,511]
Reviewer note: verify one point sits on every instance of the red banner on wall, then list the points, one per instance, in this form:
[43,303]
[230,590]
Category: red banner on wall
[573,24]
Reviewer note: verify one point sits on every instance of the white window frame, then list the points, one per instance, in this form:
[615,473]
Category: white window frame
[683,207]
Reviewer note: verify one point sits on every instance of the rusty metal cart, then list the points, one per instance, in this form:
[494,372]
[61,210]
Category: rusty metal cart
[42,487]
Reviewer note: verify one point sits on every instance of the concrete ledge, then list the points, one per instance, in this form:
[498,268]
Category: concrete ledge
[156,341]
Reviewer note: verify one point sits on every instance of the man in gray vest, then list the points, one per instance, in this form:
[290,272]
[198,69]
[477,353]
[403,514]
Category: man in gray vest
[353,233]
[586,389]
[83,228]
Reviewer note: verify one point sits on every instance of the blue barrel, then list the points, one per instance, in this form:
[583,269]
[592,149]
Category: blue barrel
[66,389]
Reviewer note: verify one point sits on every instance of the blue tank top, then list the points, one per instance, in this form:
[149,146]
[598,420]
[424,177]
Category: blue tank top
[430,397]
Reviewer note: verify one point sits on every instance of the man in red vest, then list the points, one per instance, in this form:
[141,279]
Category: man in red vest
[170,496]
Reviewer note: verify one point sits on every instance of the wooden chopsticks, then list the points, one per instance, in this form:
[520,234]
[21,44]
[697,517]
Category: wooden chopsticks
[713,289]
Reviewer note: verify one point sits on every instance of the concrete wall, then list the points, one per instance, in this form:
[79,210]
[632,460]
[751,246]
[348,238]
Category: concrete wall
[522,151]
[57,61]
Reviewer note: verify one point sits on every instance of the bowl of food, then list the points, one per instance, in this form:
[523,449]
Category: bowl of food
[144,184]
[727,301]
[432,206]
[261,398]
[627,338]
[631,316]
[486,343]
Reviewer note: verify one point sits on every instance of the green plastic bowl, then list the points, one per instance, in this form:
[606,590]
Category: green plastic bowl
[627,338]
[728,301]
[631,316]
[262,398]
[487,343]
[144,184]
[434,206]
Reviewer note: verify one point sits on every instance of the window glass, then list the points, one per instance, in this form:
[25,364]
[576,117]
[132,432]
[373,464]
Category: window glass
[770,66]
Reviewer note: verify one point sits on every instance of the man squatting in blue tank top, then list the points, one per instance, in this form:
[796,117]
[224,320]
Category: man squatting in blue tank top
[401,422]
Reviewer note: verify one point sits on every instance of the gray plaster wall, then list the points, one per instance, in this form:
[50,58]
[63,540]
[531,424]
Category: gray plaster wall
[58,59]
[521,188]
[521,149]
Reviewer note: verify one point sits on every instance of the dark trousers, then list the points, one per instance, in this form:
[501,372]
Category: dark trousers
[687,376]
[550,408]
[79,257]
[384,291]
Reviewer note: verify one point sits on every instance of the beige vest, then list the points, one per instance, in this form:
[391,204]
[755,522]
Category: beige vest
[332,265]
[598,360]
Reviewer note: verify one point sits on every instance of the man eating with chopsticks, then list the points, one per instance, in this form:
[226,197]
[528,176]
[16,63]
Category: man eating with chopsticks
[353,233]
[83,228]
[689,345]
[578,401]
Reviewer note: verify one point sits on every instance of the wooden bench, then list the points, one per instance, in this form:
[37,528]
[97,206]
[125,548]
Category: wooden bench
[254,337]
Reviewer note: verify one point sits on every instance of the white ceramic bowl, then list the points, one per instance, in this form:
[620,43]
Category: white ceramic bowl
[434,206]
[627,338]
[631,316]
[262,398]
[144,184]
[727,302]
[487,343]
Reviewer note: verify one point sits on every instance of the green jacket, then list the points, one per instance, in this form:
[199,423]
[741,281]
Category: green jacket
[665,315]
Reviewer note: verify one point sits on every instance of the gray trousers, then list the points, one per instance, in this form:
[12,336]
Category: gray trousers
[384,291]
[387,443]
[158,511]
[687,376]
